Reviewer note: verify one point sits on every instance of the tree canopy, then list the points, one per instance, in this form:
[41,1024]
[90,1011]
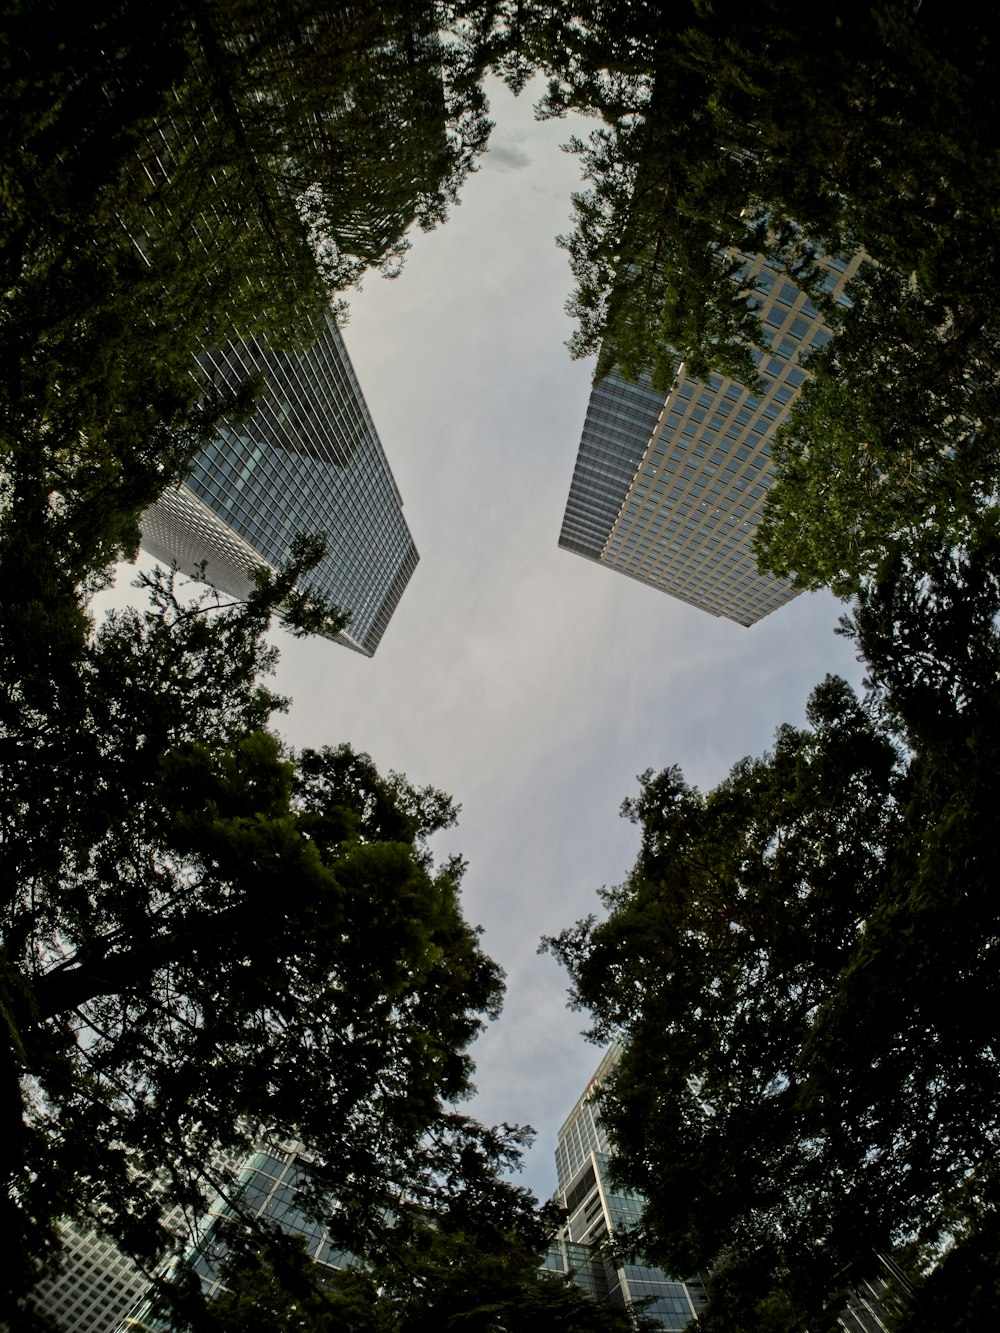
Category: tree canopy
[171,181]
[892,444]
[205,933]
[793,129]
[797,135]
[802,965]
[440,1278]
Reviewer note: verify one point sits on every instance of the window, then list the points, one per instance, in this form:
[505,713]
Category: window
[789,294]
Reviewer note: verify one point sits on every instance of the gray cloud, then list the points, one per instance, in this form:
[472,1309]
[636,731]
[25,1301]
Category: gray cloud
[505,157]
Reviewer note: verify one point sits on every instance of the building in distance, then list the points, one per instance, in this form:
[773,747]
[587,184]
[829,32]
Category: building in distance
[307,459]
[669,491]
[596,1213]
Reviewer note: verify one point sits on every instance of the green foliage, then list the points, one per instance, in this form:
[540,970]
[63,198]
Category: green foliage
[653,284]
[461,1250]
[892,443]
[717,952]
[357,124]
[802,965]
[275,1294]
[114,277]
[483,1283]
[958,1288]
[865,134]
[204,933]
[222,168]
[796,134]
[438,1278]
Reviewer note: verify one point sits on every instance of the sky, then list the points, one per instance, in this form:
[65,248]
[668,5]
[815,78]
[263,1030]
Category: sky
[529,683]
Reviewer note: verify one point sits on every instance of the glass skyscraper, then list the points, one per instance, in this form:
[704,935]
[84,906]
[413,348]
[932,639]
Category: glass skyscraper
[597,1213]
[669,491]
[264,1188]
[306,460]
[93,1288]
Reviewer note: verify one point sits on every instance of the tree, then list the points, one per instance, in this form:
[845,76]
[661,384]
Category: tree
[791,133]
[363,123]
[204,933]
[440,1279]
[265,1295]
[802,965]
[796,135]
[222,170]
[891,444]
[649,251]
[959,1287]
[655,281]
[193,914]
[463,1254]
[121,260]
[733,928]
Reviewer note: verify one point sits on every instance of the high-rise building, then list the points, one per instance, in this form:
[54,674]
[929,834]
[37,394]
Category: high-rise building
[306,460]
[92,1285]
[264,1189]
[597,1213]
[93,1288]
[96,1288]
[669,491]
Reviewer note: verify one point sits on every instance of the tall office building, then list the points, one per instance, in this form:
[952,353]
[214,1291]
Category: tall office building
[92,1290]
[93,1285]
[98,1289]
[596,1213]
[265,1188]
[669,491]
[307,459]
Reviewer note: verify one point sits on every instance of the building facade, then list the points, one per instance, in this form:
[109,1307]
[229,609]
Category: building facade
[99,1289]
[669,491]
[306,460]
[597,1213]
[94,1287]
[265,1189]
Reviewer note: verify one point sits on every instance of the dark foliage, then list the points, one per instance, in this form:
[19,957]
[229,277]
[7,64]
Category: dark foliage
[803,965]
[205,933]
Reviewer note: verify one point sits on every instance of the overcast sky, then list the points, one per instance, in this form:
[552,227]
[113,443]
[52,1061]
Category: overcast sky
[531,684]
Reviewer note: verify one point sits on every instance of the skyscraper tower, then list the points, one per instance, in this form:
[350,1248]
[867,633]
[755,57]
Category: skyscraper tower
[596,1213]
[93,1288]
[306,460]
[669,490]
